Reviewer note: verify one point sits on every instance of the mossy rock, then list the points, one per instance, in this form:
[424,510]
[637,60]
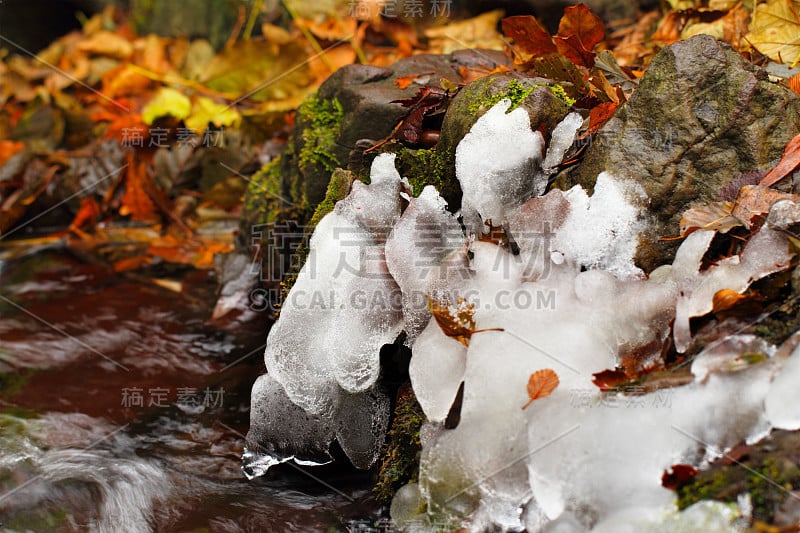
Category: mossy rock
[400,464]
[701,117]
[546,102]
[769,473]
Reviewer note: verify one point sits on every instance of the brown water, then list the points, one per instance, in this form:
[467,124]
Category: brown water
[123,409]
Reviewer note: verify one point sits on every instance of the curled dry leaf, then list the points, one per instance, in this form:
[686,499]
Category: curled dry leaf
[541,384]
[456,321]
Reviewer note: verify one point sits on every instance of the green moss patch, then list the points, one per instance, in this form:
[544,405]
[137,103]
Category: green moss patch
[400,464]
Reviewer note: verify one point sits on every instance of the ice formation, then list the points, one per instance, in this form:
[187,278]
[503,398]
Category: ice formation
[566,295]
[496,163]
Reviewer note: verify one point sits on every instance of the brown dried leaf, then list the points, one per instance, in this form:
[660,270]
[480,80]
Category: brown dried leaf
[754,202]
[456,321]
[715,216]
[541,384]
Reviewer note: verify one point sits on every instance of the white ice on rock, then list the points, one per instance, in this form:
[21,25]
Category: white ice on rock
[496,163]
[573,301]
[568,298]
[323,353]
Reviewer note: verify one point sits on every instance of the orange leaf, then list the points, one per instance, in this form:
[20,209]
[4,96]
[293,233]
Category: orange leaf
[404,81]
[529,35]
[724,299]
[600,114]
[87,213]
[794,83]
[9,149]
[136,201]
[789,161]
[541,384]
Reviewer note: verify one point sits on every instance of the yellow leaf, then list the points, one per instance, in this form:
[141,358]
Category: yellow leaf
[775,30]
[205,110]
[167,102]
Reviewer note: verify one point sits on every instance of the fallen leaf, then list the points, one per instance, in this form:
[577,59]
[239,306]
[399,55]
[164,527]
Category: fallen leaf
[754,202]
[476,32]
[106,43]
[87,213]
[456,321]
[530,37]
[404,81]
[714,216]
[579,32]
[724,299]
[541,384]
[167,102]
[259,70]
[794,83]
[775,30]
[678,475]
[571,48]
[427,101]
[788,163]
[582,23]
[205,111]
[608,379]
[600,114]
[136,201]
[8,149]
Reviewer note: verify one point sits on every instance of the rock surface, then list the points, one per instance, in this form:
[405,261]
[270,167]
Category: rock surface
[701,117]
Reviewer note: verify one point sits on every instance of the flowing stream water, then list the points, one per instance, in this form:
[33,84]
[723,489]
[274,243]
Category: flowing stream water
[123,409]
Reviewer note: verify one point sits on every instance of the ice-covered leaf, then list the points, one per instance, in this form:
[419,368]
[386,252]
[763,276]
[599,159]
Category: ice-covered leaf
[775,30]
[541,384]
[456,321]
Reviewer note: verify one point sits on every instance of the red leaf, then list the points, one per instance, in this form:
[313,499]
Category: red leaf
[580,22]
[677,476]
[529,35]
[600,114]
[608,379]
[789,161]
[571,48]
[541,384]
[578,33]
